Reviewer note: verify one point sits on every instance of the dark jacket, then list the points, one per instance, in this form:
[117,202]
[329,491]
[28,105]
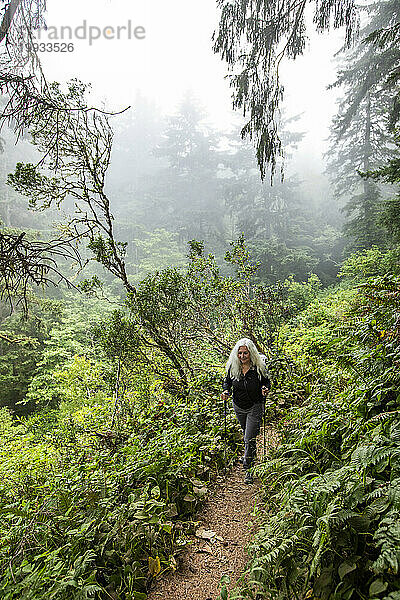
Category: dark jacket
[246,389]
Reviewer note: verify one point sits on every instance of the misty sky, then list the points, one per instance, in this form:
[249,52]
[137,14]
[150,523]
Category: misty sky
[176,56]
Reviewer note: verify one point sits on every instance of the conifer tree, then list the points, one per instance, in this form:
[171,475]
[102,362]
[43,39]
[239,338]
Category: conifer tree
[360,136]
[287,232]
[185,196]
[253,38]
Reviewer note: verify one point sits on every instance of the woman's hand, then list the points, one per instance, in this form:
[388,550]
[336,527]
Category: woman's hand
[224,395]
[264,391]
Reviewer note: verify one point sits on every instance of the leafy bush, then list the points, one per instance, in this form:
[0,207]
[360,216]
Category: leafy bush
[371,262]
[93,512]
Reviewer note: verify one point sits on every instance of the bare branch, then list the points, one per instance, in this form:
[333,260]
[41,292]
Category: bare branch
[24,263]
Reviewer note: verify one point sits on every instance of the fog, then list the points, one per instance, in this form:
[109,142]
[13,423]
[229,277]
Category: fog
[176,56]
[157,59]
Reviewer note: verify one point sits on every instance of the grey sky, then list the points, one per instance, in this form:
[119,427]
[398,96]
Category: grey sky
[176,55]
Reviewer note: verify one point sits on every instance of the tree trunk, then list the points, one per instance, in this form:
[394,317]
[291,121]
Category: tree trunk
[367,209]
[8,17]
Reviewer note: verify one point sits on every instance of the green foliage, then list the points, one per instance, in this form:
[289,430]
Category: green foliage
[158,249]
[19,359]
[361,139]
[185,197]
[42,189]
[278,261]
[286,231]
[390,173]
[253,38]
[89,512]
[370,262]
[98,489]
[104,250]
[302,294]
[181,320]
[109,473]
[72,335]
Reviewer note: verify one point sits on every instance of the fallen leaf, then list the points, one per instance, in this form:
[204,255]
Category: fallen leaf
[200,491]
[206,534]
[154,565]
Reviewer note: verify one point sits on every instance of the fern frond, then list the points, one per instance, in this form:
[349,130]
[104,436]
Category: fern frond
[394,493]
[370,455]
[340,518]
[384,416]
[378,493]
[387,538]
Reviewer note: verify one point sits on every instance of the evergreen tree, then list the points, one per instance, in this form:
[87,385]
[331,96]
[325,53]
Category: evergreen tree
[360,137]
[253,37]
[185,198]
[133,163]
[283,228]
[390,173]
[386,40]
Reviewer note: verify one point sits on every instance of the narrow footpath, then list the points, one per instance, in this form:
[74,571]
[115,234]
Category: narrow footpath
[226,525]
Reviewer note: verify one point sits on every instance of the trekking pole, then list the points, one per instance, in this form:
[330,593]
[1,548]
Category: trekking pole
[263,422]
[224,434]
[264,431]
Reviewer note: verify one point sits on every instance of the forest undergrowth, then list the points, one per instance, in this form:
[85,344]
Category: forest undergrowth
[99,492]
[332,488]
[89,512]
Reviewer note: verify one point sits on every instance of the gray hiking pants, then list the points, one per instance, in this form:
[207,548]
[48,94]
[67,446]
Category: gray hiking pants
[250,421]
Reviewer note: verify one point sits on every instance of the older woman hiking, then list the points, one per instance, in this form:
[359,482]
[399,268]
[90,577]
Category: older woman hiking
[246,375]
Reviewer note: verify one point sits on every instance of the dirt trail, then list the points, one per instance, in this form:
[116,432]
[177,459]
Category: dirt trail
[219,547]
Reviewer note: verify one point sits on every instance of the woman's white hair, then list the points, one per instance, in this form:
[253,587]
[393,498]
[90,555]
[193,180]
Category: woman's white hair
[256,360]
